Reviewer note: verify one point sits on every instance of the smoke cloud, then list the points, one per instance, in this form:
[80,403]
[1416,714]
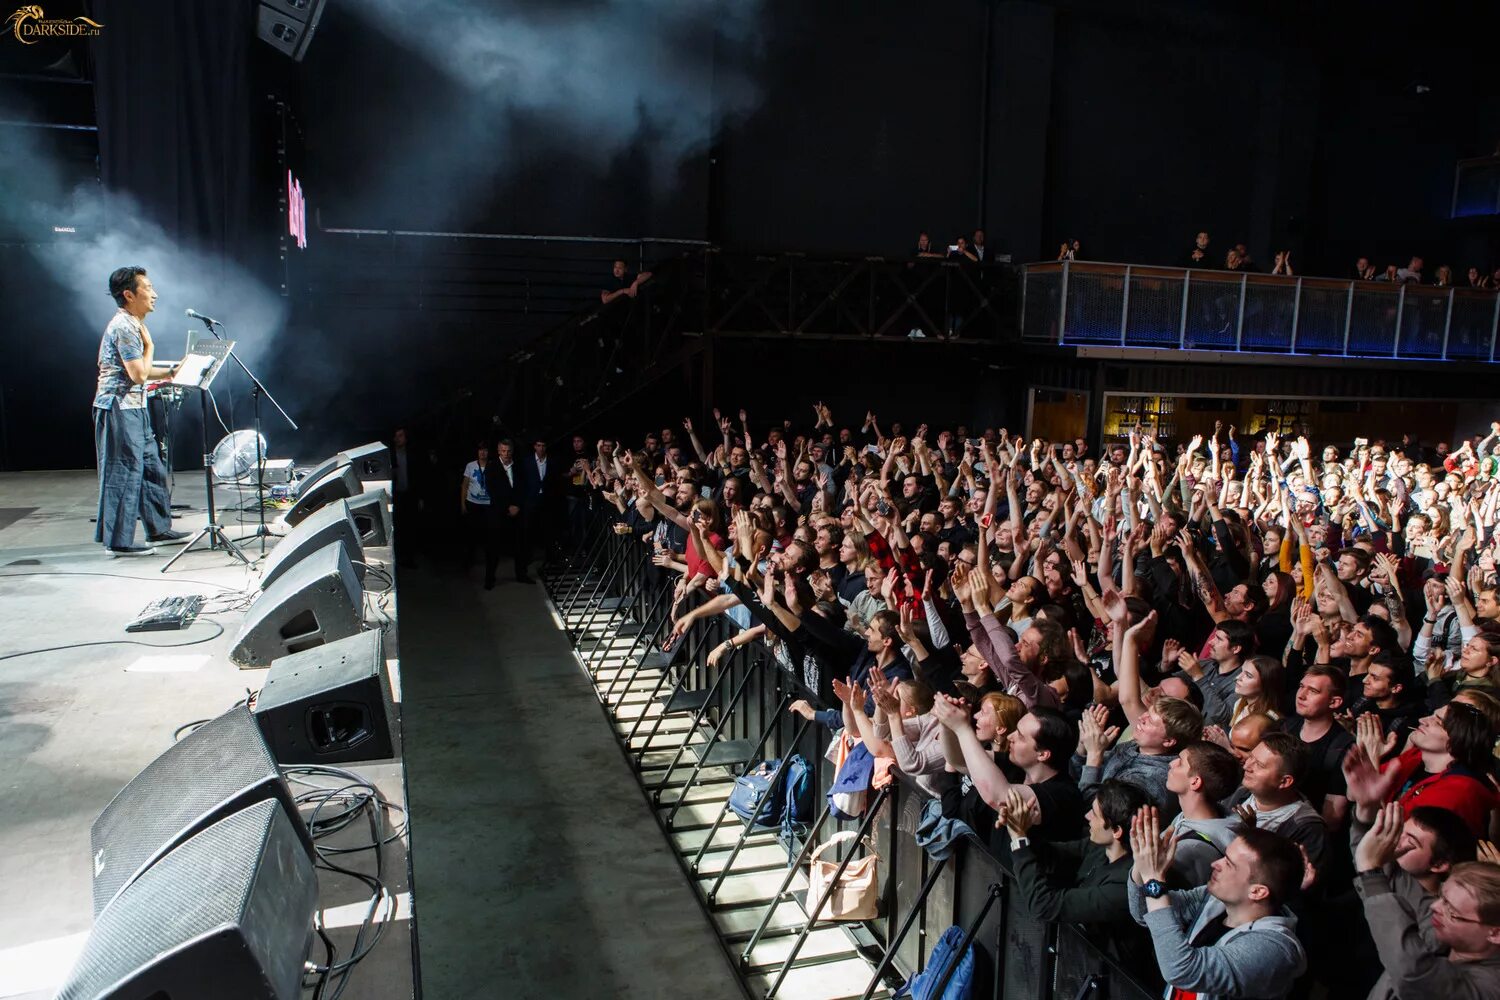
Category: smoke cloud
[600,78]
[80,233]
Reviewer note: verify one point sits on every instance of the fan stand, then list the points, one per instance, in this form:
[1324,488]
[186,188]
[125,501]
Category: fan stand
[214,532]
[261,531]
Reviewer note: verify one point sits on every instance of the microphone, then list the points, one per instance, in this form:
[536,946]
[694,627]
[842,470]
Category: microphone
[195,314]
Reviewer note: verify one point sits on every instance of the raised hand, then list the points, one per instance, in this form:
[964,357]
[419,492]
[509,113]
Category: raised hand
[1370,736]
[1368,786]
[687,424]
[904,628]
[1094,732]
[1014,814]
[1079,653]
[950,711]
[1142,632]
[1378,847]
[1152,847]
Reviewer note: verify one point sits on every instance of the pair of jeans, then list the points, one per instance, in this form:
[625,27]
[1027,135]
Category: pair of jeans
[132,477]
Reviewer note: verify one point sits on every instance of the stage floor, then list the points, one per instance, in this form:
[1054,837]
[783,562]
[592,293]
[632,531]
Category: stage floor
[82,712]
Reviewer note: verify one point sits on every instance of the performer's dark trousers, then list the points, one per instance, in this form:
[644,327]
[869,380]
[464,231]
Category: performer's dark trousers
[132,477]
[504,533]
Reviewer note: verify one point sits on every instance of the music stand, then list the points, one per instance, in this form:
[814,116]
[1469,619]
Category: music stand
[199,367]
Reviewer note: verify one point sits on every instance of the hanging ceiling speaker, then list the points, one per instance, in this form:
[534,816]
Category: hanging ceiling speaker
[233,458]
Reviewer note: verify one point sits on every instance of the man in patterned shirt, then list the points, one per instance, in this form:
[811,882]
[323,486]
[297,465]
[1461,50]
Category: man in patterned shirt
[132,478]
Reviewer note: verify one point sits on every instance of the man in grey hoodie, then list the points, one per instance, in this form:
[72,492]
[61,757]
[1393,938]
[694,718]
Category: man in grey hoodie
[1465,923]
[1202,776]
[1231,938]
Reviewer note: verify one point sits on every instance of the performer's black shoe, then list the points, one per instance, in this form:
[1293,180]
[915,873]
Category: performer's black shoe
[169,536]
[134,550]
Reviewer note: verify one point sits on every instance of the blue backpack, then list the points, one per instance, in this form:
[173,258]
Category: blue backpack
[960,984]
[787,801]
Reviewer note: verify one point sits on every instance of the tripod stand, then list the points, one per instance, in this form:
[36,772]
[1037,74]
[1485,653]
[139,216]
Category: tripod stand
[256,392]
[213,531]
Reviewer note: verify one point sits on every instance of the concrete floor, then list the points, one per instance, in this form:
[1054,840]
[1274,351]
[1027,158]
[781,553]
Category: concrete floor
[539,869]
[76,726]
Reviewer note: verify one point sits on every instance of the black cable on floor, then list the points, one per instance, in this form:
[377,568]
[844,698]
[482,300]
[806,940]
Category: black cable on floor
[121,642]
[368,800]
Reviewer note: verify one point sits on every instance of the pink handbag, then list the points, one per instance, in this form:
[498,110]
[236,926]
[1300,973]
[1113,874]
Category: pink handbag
[856,896]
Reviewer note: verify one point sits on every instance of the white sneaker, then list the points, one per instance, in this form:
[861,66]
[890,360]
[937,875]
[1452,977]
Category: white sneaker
[134,550]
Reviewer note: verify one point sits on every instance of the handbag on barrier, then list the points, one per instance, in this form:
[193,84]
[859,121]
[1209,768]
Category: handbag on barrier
[856,895]
[960,983]
[850,792]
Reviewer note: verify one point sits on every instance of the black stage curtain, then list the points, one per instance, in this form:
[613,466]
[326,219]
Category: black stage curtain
[173,96]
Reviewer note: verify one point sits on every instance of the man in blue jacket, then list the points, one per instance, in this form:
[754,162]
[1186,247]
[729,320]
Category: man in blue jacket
[1231,938]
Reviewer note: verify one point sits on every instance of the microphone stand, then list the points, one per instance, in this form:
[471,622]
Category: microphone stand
[257,391]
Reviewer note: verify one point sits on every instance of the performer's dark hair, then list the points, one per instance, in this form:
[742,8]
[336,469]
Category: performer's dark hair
[123,280]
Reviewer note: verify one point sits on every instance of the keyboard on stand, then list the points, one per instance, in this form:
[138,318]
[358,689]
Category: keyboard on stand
[167,613]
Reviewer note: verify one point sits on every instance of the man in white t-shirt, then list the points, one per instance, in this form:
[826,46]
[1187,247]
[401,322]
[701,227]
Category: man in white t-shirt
[474,504]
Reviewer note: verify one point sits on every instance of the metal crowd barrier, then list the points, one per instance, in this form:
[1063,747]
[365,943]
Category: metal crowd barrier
[1086,303]
[608,581]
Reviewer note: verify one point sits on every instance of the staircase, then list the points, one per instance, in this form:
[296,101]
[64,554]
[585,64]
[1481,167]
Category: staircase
[686,764]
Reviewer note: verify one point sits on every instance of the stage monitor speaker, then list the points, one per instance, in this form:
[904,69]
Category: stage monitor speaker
[314,602]
[330,524]
[227,914]
[329,705]
[288,25]
[219,768]
[372,517]
[318,472]
[372,462]
[339,483]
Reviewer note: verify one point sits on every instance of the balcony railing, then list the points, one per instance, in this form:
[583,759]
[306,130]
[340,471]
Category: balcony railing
[1084,303]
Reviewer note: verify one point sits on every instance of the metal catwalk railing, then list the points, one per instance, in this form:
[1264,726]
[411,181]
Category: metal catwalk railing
[1085,303]
[615,606]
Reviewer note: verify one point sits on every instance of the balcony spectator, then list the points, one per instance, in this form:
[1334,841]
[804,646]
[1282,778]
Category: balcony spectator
[1198,256]
[977,244]
[961,251]
[1364,270]
[1412,272]
[925,249]
[1283,265]
[1476,279]
[621,284]
[1246,261]
[1444,277]
[1069,250]
[1392,274]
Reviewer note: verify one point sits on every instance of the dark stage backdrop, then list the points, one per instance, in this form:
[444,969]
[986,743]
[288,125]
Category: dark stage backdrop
[176,128]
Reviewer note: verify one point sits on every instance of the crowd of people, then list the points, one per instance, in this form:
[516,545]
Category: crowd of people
[1203,256]
[1231,707]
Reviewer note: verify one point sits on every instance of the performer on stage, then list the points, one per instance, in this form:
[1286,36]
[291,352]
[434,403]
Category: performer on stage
[132,477]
